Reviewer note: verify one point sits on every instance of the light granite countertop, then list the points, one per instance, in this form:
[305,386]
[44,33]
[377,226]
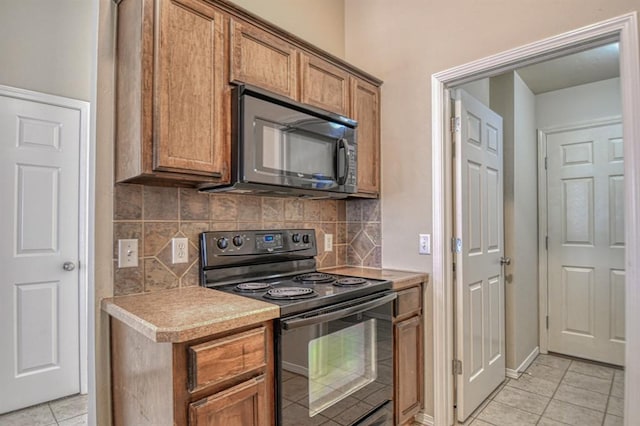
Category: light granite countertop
[401,279]
[183,314]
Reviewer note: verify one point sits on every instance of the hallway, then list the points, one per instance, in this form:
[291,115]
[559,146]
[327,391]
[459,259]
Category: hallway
[556,390]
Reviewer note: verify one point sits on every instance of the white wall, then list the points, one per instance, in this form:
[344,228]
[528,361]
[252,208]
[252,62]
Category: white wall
[579,104]
[524,267]
[46,46]
[513,100]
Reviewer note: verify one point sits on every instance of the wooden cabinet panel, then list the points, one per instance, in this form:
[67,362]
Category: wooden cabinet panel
[365,108]
[324,85]
[221,359]
[262,59]
[190,112]
[172,95]
[408,302]
[408,369]
[241,405]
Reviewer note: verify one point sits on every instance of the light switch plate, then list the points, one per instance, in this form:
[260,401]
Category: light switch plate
[127,253]
[180,250]
[425,244]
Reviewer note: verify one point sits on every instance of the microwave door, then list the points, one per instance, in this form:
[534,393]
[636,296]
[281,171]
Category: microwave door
[292,156]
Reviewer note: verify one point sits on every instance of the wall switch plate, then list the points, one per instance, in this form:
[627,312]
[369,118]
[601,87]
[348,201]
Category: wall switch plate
[179,250]
[425,244]
[127,253]
[328,242]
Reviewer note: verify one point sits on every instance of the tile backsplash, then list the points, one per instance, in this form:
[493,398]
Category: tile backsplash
[154,215]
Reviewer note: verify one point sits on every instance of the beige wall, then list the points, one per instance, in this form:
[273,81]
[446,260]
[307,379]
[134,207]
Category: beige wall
[46,46]
[318,22]
[404,44]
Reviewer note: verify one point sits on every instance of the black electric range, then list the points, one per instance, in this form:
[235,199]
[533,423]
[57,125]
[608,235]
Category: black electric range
[277,266]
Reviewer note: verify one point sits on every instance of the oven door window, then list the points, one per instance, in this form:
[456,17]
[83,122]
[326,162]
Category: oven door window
[341,363]
[295,154]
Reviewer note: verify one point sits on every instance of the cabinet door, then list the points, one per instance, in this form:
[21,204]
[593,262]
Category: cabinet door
[324,85]
[262,59]
[241,405]
[191,125]
[365,108]
[408,374]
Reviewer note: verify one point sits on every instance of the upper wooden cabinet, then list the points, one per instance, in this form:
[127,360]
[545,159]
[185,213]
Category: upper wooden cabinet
[324,85]
[177,61]
[172,95]
[262,59]
[365,109]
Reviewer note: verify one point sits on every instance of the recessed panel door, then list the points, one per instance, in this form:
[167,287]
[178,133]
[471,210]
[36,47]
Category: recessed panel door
[39,305]
[585,216]
[479,279]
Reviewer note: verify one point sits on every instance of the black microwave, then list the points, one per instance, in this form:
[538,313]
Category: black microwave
[282,147]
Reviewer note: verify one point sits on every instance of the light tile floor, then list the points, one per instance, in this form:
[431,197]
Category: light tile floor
[69,411]
[556,390]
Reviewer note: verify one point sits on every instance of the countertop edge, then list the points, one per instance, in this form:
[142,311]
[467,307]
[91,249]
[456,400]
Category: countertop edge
[196,330]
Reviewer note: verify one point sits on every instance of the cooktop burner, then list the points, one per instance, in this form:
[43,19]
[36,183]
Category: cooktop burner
[314,277]
[252,287]
[291,293]
[350,281]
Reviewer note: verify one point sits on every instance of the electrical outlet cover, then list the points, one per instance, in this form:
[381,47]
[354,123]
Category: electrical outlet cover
[180,250]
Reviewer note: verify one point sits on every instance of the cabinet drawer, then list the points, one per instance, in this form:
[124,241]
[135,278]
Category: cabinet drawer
[409,301]
[221,359]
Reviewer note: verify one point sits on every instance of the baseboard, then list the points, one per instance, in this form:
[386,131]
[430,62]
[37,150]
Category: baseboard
[424,419]
[514,374]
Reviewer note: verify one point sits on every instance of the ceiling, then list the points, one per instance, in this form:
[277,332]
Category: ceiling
[600,63]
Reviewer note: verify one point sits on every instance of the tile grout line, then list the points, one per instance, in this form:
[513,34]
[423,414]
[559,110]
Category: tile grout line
[606,407]
[554,393]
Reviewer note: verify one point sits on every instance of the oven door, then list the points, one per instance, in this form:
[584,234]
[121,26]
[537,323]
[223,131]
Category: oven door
[336,364]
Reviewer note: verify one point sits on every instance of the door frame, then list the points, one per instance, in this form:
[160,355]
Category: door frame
[624,29]
[543,282]
[85,212]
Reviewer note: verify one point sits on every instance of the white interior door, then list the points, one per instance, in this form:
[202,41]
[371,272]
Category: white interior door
[585,216]
[39,299]
[479,279]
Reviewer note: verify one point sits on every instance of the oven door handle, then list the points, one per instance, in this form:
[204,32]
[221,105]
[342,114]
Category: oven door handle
[341,313]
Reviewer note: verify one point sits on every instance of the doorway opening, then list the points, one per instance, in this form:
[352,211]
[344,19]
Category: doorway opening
[621,29]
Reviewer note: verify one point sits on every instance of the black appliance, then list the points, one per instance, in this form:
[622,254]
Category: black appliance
[281,147]
[334,337]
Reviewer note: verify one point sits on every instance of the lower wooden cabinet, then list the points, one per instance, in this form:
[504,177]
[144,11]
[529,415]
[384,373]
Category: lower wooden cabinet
[408,354]
[241,405]
[220,380]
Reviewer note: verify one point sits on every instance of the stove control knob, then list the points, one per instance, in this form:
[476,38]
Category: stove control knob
[295,238]
[222,243]
[305,238]
[238,240]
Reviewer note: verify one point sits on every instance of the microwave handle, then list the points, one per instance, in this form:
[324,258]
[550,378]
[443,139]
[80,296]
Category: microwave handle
[344,146]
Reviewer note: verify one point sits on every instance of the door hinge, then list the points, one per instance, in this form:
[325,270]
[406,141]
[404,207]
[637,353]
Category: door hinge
[546,242]
[457,367]
[547,322]
[546,163]
[456,245]
[454,266]
[455,124]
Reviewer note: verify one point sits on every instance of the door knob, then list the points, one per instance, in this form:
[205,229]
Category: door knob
[69,266]
[505,260]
